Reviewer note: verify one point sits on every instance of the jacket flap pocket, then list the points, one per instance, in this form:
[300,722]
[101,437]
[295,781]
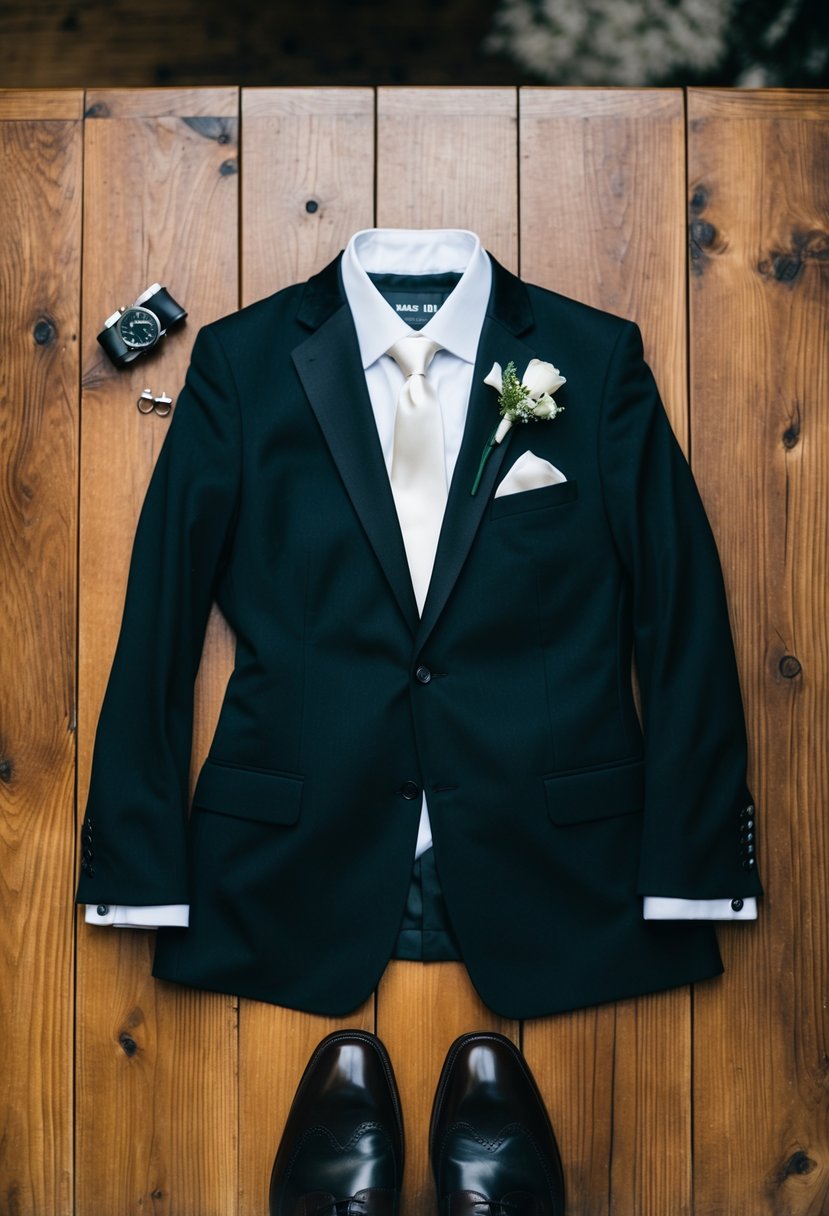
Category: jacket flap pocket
[248,793]
[596,793]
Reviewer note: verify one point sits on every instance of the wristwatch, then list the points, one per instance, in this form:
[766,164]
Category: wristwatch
[129,331]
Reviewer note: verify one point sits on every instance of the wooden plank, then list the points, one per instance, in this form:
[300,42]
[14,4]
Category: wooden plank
[162,103]
[308,182]
[759,189]
[602,176]
[31,105]
[301,146]
[805,104]
[602,184]
[156,1063]
[445,158]
[40,196]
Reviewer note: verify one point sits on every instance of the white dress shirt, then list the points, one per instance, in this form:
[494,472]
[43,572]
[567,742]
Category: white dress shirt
[456,327]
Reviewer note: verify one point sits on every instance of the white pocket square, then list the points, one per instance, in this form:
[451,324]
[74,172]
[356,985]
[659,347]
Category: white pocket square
[530,472]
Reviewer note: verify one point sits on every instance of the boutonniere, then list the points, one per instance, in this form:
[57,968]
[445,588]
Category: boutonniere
[527,400]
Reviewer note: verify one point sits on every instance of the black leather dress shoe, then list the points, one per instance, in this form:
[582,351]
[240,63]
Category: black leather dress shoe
[341,1152]
[492,1145]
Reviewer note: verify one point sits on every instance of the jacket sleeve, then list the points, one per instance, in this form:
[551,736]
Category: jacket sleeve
[133,834]
[699,836]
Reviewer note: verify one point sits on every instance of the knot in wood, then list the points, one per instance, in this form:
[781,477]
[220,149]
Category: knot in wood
[128,1044]
[789,667]
[703,233]
[210,128]
[798,1163]
[699,199]
[791,436]
[781,266]
[44,330]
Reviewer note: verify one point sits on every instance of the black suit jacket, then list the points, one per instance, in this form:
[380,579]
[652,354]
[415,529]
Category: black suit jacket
[552,811]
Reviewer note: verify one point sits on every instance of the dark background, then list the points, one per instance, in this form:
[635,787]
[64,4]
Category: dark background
[52,43]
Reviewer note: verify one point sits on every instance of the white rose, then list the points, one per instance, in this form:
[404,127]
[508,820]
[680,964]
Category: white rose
[545,407]
[542,378]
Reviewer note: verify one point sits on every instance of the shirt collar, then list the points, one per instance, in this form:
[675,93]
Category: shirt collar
[456,326]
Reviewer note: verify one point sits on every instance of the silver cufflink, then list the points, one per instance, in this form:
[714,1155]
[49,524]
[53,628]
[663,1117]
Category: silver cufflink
[149,403]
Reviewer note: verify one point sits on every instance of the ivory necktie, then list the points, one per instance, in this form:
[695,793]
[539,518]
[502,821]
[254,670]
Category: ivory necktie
[418,468]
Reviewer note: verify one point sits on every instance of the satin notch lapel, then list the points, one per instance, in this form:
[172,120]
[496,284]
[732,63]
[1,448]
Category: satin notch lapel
[463,511]
[329,366]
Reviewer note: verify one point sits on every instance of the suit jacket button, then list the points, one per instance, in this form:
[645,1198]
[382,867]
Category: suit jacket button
[423,675]
[410,790]
[736,905]
[748,864]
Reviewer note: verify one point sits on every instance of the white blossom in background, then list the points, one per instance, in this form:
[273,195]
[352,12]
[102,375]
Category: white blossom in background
[611,42]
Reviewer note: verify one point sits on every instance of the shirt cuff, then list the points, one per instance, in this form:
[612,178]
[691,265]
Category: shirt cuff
[660,907]
[149,916]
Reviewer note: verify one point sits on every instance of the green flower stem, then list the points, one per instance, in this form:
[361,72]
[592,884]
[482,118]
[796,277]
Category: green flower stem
[485,455]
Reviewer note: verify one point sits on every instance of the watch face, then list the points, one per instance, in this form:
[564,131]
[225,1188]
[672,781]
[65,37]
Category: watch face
[139,328]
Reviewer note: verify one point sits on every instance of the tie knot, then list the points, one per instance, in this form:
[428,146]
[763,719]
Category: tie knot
[413,355]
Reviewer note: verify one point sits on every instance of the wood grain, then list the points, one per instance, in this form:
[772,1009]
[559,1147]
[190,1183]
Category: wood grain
[446,158]
[162,103]
[759,308]
[33,105]
[156,1063]
[602,184]
[308,181]
[602,180]
[40,197]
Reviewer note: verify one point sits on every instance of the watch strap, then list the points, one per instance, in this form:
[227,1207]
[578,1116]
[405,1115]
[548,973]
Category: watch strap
[115,346]
[168,310]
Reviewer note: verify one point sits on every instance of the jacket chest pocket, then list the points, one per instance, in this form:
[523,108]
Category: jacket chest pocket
[534,500]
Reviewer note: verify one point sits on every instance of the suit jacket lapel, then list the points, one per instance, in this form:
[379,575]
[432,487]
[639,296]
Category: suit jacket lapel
[509,315]
[329,366]
[330,369]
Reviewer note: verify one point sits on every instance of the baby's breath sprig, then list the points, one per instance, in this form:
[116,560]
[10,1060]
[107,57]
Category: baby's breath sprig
[514,396]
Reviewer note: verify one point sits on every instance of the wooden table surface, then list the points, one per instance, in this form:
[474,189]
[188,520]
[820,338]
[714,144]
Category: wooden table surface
[702,215]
